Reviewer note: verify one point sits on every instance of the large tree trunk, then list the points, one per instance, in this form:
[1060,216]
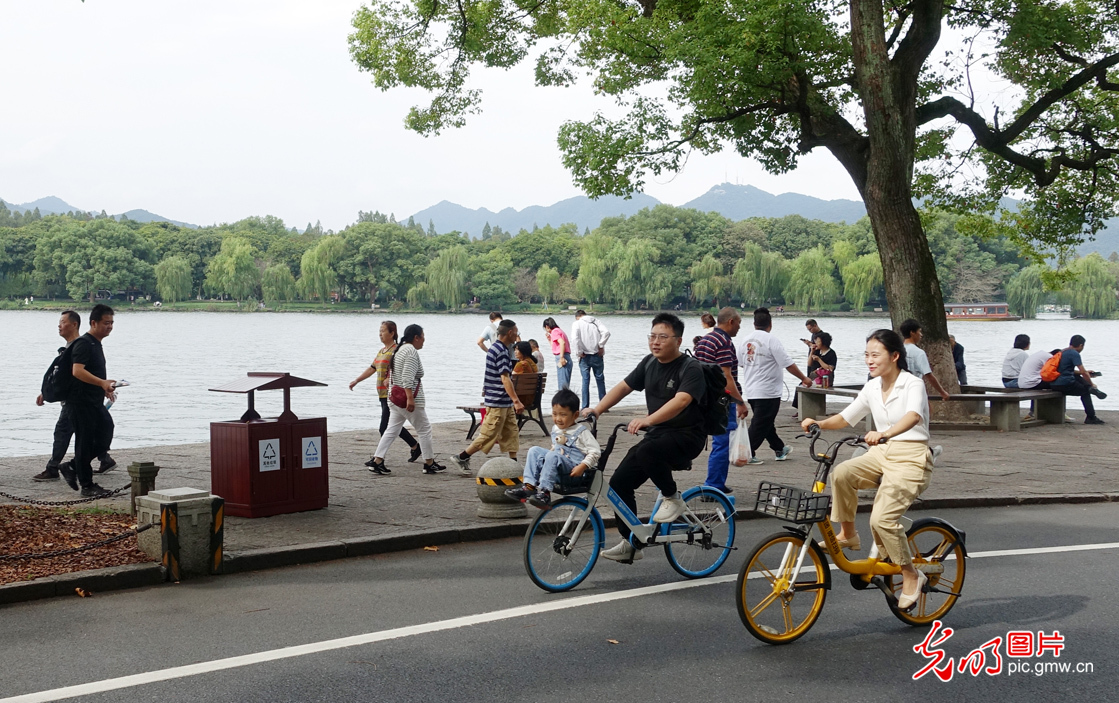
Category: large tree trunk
[888,90]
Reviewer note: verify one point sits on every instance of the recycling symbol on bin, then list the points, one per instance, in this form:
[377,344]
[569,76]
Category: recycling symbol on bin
[312,453]
[269,452]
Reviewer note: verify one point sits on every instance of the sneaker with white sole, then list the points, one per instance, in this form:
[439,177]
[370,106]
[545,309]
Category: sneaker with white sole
[784,453]
[623,552]
[463,464]
[754,461]
[671,508]
[936,451]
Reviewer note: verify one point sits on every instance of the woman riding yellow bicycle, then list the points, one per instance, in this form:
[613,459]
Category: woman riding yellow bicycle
[899,462]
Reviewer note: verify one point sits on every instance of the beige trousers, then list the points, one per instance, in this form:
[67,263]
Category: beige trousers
[902,471]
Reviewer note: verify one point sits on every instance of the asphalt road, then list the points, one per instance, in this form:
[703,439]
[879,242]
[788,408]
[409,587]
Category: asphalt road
[685,644]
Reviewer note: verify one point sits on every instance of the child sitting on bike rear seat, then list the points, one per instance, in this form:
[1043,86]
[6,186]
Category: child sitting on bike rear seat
[899,457]
[574,450]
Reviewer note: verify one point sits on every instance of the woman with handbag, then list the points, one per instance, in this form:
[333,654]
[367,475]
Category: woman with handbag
[406,402]
[380,366]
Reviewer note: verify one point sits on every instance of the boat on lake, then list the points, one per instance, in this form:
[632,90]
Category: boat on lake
[986,312]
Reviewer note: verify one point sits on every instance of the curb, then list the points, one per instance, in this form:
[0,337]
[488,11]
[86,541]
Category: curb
[95,580]
[138,575]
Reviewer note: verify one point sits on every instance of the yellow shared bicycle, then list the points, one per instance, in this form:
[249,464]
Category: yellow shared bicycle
[783,583]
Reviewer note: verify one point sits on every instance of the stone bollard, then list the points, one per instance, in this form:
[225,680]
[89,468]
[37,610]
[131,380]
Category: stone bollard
[495,476]
[143,475]
[189,539]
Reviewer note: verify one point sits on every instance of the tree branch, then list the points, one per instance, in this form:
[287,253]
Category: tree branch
[921,39]
[778,109]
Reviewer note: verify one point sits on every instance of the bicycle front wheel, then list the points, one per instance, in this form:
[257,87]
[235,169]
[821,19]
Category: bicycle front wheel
[711,535]
[555,558]
[938,551]
[776,602]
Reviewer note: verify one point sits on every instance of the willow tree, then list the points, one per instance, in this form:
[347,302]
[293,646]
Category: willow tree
[860,277]
[447,276]
[1091,287]
[707,279]
[173,279]
[810,280]
[547,281]
[869,82]
[636,271]
[594,267]
[759,275]
[233,269]
[319,267]
[277,283]
[1025,290]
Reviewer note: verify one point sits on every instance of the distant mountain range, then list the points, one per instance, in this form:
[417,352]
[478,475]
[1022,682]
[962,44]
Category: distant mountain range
[735,202]
[52,205]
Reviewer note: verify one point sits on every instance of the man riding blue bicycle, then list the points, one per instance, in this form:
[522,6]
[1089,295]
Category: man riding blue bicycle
[674,386]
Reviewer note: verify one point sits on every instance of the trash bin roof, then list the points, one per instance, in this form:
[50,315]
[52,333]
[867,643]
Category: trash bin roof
[265,381]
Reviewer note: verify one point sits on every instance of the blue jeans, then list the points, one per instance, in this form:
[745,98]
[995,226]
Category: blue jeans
[563,373]
[718,464]
[588,363]
[1010,383]
[543,467]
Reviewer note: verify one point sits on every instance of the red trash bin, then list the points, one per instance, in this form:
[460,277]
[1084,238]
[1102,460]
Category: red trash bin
[272,465]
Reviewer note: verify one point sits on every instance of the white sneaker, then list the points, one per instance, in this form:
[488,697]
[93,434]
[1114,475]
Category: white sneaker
[936,451]
[623,552]
[671,508]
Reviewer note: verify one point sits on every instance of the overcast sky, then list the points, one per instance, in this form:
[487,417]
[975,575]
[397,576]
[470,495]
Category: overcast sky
[211,111]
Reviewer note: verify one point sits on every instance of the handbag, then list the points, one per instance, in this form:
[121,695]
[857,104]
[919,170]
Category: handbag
[399,398]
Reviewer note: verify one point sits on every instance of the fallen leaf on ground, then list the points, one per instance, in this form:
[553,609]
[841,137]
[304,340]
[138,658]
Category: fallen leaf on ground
[83,593]
[431,549]
[613,641]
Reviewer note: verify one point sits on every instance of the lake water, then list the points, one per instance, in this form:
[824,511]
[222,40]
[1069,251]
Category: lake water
[172,358]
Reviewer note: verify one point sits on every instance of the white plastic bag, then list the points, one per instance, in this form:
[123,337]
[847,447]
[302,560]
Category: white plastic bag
[740,446]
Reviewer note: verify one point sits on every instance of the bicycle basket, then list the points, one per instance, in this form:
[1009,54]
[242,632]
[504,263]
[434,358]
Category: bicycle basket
[792,504]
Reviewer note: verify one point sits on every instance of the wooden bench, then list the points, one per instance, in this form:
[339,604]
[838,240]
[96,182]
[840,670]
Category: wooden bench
[1004,403]
[529,388]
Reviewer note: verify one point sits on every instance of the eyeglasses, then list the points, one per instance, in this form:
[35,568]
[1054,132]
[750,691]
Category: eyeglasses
[662,337]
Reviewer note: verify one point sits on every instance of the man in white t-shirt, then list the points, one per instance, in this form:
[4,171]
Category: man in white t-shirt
[762,360]
[916,357]
[489,334]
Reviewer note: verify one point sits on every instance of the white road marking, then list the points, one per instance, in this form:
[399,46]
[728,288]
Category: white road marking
[178,672]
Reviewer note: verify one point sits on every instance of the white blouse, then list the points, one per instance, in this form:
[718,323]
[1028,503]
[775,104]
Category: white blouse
[908,395]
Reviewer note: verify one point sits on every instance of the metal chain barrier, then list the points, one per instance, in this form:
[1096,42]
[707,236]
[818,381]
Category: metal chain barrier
[55,503]
[74,550]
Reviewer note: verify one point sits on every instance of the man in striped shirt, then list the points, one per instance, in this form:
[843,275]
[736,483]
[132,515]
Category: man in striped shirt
[717,348]
[502,403]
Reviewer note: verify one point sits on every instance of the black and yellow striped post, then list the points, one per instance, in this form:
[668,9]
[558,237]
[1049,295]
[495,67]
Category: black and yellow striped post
[169,530]
[504,482]
[217,534]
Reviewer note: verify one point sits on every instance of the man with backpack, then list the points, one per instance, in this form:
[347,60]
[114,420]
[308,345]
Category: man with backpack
[676,390]
[56,383]
[1065,373]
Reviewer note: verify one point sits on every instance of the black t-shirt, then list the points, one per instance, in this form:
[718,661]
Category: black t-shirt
[661,383]
[88,351]
[829,357]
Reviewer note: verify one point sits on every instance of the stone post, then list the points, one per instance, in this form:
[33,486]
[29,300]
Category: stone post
[495,476]
[143,475]
[191,532]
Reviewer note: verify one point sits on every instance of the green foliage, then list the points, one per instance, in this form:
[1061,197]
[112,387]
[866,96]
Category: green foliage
[447,276]
[319,267]
[173,279]
[759,275]
[86,257]
[811,282]
[1091,290]
[636,271]
[707,279]
[860,277]
[547,282]
[277,284]
[492,281]
[1025,291]
[233,271]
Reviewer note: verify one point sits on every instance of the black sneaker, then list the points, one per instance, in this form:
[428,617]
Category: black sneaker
[371,462]
[378,467]
[542,499]
[48,474]
[521,493]
[1098,393]
[434,468]
[416,454]
[68,475]
[1093,421]
[106,466]
[93,490]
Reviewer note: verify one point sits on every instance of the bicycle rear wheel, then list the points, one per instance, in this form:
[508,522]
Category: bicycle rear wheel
[776,604]
[553,560]
[712,537]
[938,551]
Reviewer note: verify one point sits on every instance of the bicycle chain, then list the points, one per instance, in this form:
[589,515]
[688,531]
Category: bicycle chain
[74,550]
[55,503]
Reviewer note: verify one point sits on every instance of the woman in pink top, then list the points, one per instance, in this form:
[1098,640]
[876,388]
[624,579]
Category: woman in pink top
[561,349]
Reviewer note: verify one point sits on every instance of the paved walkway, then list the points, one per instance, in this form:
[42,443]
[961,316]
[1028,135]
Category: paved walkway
[1073,459]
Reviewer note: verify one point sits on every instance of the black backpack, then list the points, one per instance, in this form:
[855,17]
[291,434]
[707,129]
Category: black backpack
[59,378]
[715,404]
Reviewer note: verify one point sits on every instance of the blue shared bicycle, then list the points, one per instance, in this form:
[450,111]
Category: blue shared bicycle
[563,543]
